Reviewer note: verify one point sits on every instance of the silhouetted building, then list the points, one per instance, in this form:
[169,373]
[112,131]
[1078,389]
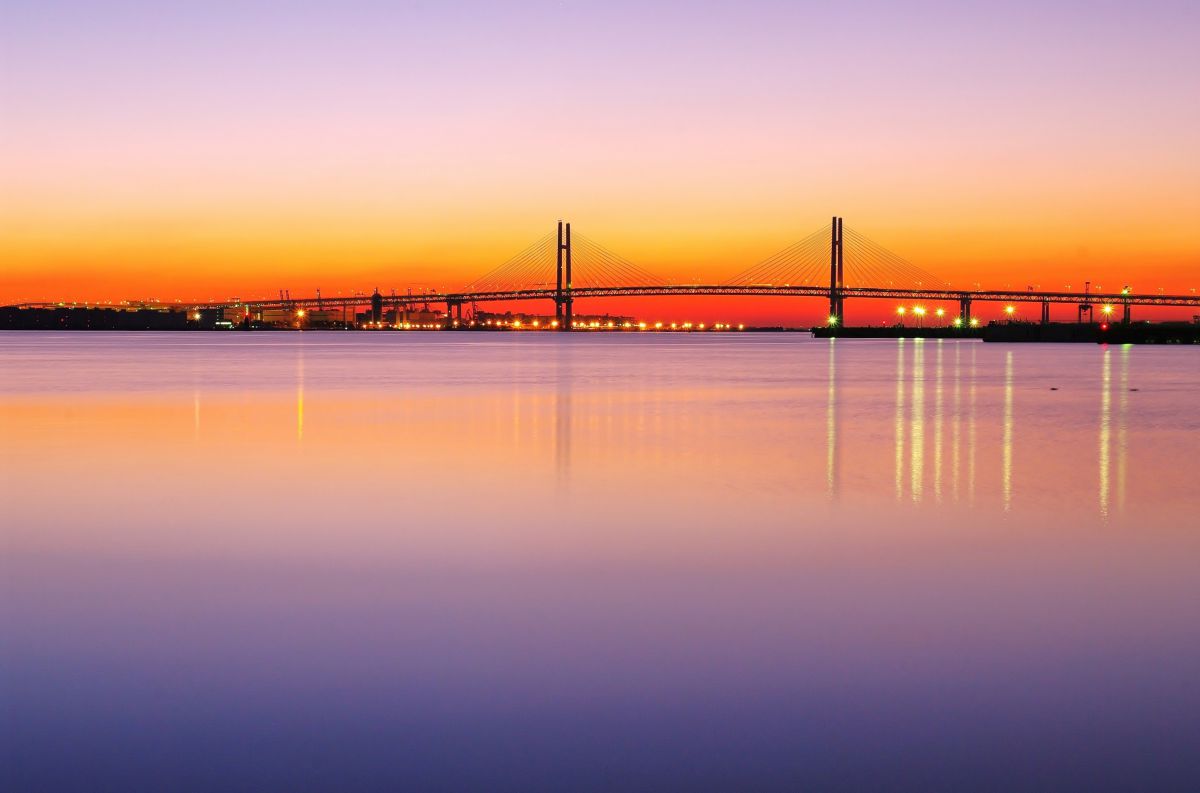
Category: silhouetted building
[78,318]
[376,307]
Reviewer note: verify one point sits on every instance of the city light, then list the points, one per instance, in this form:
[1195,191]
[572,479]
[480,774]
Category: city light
[1010,310]
[958,322]
[833,320]
[974,322]
[300,313]
[900,310]
[919,311]
[1107,309]
[941,312]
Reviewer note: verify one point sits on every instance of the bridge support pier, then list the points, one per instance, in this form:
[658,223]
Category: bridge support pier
[1045,312]
[1125,314]
[964,311]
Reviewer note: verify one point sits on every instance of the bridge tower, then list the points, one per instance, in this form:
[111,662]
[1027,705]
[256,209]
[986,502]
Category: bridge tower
[564,304]
[964,310]
[836,274]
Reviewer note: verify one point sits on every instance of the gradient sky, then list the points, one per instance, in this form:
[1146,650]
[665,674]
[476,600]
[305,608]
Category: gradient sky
[197,150]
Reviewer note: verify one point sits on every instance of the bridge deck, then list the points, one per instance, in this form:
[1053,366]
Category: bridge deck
[760,290]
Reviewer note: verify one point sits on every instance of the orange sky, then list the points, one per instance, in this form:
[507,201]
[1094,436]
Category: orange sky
[136,165]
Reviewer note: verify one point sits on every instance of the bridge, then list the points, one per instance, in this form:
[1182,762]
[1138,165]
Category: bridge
[834,264]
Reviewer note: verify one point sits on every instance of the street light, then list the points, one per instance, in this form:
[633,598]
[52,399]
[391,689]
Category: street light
[1010,310]
[920,312]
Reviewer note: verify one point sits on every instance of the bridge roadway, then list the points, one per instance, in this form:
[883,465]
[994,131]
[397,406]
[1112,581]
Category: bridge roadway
[963,297]
[757,290]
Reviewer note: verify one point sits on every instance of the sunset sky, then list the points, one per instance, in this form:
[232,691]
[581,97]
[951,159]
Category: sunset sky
[203,150]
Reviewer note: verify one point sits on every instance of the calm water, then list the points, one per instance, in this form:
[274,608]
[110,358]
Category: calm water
[532,562]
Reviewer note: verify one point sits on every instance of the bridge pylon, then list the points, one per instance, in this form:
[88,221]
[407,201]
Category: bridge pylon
[837,274]
[564,303]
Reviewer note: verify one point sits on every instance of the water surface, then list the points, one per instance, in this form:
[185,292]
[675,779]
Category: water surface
[446,561]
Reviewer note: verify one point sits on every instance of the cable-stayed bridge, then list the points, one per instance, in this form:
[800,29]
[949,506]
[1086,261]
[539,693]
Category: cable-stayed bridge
[834,263]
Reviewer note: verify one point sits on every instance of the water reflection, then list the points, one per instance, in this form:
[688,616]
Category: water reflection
[1113,433]
[299,393]
[831,418]
[917,429]
[914,452]
[937,424]
[950,454]
[956,424]
[562,416]
[971,431]
[196,414]
[900,419]
[1122,425]
[1006,443]
[708,579]
[1105,427]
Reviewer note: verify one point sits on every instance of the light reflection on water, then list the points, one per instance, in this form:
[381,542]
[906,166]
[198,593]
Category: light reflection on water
[304,561]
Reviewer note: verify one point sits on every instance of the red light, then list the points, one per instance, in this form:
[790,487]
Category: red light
[1104,326]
